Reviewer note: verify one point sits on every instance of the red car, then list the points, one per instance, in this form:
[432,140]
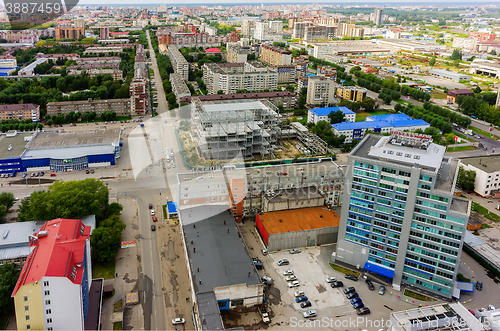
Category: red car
[52,175]
[155,219]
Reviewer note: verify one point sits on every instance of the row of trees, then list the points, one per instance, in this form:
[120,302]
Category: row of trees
[435,120]
[75,199]
[6,202]
[453,116]
[21,127]
[482,106]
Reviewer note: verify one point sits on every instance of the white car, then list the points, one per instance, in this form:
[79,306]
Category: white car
[295,283]
[331,279]
[299,294]
[178,320]
[295,251]
[310,313]
[491,307]
[290,278]
[287,272]
[152,212]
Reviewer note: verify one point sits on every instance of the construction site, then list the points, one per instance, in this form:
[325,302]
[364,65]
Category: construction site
[249,130]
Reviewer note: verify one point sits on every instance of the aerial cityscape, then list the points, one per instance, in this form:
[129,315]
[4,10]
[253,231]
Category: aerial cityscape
[249,166]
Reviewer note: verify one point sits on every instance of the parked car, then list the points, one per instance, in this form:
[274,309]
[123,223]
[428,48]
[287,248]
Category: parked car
[153,227]
[87,171]
[352,295]
[32,174]
[310,313]
[298,294]
[264,252]
[479,285]
[295,251]
[287,272]
[258,265]
[331,279]
[351,277]
[152,212]
[150,206]
[42,173]
[52,175]
[294,283]
[305,304]
[337,284]
[472,312]
[491,307]
[91,171]
[301,299]
[266,280]
[349,290]
[283,262]
[358,305]
[24,175]
[381,291]
[363,311]
[155,219]
[370,284]
[178,320]
[290,278]
[355,300]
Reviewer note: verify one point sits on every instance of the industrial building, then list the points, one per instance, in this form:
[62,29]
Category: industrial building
[320,91]
[221,271]
[321,114]
[120,106]
[304,227]
[179,63]
[443,316]
[22,111]
[231,77]
[450,75]
[404,222]
[378,124]
[52,292]
[488,67]
[179,87]
[224,130]
[42,151]
[487,173]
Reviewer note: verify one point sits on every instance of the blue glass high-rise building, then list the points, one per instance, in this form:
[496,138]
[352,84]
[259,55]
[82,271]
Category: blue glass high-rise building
[401,219]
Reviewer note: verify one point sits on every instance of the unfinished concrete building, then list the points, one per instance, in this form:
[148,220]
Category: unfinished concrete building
[227,130]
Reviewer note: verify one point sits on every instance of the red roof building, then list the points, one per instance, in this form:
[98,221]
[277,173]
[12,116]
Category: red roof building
[56,277]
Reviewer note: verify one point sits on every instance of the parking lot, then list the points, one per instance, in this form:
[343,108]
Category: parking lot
[311,267]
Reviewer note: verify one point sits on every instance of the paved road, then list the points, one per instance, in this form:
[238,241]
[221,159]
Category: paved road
[162,102]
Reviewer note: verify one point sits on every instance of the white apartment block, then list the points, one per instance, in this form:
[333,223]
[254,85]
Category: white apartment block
[261,30]
[179,63]
[320,91]
[321,51]
[487,173]
[231,77]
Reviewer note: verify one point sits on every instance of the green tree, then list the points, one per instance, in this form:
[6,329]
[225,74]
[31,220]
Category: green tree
[336,117]
[477,90]
[466,179]
[8,279]
[220,92]
[456,55]
[432,62]
[106,239]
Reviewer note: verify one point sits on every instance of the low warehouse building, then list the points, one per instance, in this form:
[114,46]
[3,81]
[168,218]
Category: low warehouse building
[298,228]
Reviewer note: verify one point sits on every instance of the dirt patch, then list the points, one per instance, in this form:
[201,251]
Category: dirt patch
[175,287]
[135,226]
[321,288]
[169,254]
[248,318]
[32,181]
[288,151]
[128,280]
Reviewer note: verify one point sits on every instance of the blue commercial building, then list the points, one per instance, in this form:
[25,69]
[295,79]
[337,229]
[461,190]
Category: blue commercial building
[321,114]
[403,223]
[17,155]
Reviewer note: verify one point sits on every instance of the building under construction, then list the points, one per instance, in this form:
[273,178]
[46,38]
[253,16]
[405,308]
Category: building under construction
[224,130]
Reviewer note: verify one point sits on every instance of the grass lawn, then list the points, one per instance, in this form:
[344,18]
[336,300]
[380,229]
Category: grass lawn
[164,211]
[485,212]
[360,117]
[344,270]
[118,305]
[438,95]
[118,326]
[460,148]
[484,133]
[417,296]
[103,270]
[486,226]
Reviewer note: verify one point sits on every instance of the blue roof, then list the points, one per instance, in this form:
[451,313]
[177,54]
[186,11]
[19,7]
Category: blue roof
[311,75]
[410,122]
[360,125]
[327,110]
[388,117]
[372,267]
[172,207]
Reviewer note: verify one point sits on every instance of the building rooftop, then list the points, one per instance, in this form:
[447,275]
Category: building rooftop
[69,152]
[445,72]
[84,102]
[299,220]
[389,117]
[21,106]
[300,193]
[239,96]
[18,145]
[208,309]
[57,254]
[221,254]
[94,313]
[486,244]
[233,106]
[460,92]
[49,139]
[488,164]
[327,110]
